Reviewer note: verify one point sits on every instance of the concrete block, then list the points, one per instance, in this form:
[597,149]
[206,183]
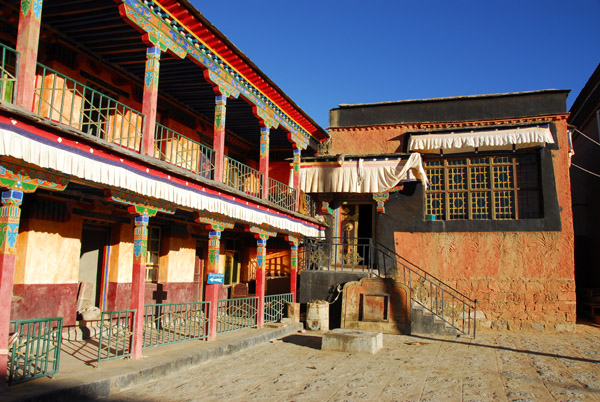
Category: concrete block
[352,341]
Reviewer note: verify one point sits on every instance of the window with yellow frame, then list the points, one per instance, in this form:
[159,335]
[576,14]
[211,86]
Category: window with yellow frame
[499,187]
[153,253]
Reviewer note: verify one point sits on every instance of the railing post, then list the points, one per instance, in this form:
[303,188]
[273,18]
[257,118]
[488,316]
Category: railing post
[150,99]
[293,265]
[264,161]
[10,216]
[474,318]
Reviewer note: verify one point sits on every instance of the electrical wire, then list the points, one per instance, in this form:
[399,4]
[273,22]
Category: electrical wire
[585,170]
[591,139]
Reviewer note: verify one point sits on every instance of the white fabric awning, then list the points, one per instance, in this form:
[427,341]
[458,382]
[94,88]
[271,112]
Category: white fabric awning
[50,154]
[481,140]
[360,176]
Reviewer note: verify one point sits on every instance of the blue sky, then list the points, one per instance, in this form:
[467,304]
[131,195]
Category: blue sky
[326,52]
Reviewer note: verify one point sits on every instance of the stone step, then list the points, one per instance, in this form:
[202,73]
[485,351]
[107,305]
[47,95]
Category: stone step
[426,323]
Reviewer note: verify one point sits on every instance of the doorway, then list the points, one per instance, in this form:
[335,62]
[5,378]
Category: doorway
[93,259]
[356,231]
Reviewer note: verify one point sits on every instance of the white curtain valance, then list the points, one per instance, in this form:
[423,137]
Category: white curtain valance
[360,176]
[77,164]
[482,140]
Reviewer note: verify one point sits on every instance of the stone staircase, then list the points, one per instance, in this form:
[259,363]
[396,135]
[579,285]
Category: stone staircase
[424,322]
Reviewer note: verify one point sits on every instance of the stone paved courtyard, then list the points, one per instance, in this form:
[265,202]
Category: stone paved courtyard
[496,366]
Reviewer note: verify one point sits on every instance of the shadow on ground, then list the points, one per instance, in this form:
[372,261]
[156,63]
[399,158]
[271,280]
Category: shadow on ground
[309,341]
[472,343]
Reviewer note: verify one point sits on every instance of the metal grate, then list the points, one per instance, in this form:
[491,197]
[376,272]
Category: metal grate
[33,349]
[66,101]
[116,332]
[184,152]
[175,322]
[237,314]
[242,178]
[338,253]
[9,65]
[282,195]
[310,206]
[275,306]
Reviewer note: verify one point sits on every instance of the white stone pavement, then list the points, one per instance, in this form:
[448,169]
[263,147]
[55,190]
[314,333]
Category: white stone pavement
[496,366]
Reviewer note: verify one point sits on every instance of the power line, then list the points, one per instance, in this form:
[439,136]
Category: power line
[591,139]
[585,170]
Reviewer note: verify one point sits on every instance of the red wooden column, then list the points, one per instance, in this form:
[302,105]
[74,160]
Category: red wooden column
[150,99]
[296,165]
[219,136]
[28,37]
[10,214]
[17,180]
[264,160]
[138,282]
[261,235]
[293,266]
[211,293]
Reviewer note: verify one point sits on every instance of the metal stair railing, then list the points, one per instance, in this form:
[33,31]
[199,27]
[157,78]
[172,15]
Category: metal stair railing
[434,295]
[338,254]
[429,292]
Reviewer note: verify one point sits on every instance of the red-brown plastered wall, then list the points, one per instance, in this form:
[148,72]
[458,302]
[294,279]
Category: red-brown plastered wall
[521,279]
[367,140]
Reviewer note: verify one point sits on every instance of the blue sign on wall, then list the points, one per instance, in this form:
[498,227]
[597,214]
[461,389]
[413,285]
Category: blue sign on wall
[215,278]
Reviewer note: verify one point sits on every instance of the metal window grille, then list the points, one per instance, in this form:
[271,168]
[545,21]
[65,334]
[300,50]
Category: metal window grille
[491,187]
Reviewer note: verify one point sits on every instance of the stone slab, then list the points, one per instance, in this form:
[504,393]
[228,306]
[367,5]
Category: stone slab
[352,341]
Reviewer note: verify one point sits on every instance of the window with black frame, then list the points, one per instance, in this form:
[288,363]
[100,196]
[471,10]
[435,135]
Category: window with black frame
[498,187]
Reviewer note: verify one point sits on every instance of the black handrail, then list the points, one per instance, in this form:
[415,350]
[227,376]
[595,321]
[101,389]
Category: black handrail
[434,295]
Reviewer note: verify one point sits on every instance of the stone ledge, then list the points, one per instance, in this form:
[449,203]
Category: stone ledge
[352,341]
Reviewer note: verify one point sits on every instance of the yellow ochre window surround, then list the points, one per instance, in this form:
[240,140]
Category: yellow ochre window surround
[153,253]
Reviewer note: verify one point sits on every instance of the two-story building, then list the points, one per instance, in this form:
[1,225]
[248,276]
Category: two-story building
[459,198]
[144,159]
